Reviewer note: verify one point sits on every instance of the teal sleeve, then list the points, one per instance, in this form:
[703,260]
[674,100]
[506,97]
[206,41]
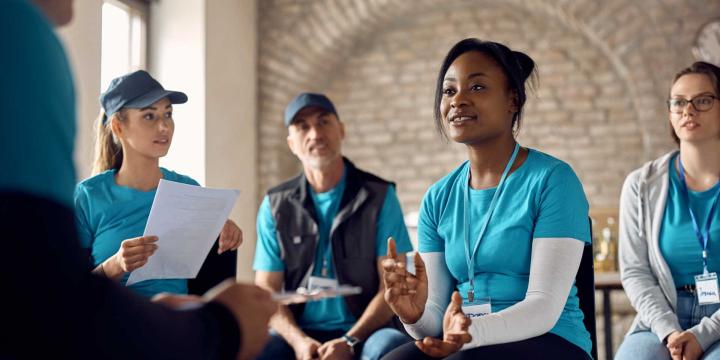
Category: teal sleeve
[81,217]
[563,208]
[267,251]
[428,238]
[391,222]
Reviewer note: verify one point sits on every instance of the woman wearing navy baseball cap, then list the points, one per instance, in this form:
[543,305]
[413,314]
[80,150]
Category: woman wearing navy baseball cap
[135,130]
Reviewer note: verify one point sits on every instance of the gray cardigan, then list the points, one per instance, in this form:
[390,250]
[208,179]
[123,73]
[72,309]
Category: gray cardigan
[645,275]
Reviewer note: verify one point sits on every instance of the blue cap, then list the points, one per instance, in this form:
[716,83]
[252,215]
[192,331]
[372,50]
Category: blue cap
[136,90]
[307,100]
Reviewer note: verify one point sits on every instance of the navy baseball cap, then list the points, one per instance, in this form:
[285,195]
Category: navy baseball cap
[307,100]
[136,90]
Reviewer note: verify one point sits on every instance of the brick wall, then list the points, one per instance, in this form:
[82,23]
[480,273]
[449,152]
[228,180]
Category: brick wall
[605,68]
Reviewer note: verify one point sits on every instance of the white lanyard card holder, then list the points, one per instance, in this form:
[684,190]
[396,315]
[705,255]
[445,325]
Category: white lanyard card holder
[706,286]
[477,308]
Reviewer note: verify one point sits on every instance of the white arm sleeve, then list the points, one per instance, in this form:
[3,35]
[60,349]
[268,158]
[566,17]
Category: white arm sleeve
[440,287]
[553,265]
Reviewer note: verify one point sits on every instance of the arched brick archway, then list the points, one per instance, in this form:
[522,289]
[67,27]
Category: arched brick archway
[616,55]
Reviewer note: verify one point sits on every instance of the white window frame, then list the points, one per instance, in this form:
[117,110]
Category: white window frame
[138,11]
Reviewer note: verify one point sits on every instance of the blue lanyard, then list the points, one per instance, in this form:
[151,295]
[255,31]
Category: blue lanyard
[327,258]
[702,235]
[470,256]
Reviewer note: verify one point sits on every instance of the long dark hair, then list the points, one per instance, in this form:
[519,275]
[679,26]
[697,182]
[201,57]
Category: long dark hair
[517,66]
[703,68]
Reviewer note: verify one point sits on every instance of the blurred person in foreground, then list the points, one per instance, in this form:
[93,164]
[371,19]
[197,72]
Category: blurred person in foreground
[52,304]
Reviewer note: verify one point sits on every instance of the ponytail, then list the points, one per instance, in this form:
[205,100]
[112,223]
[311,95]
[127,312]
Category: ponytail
[108,151]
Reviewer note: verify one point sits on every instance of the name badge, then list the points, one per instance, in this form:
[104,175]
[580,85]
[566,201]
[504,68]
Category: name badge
[321,283]
[474,311]
[707,288]
[477,309]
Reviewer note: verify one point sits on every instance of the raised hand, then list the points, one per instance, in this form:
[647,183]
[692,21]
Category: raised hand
[405,293]
[455,330]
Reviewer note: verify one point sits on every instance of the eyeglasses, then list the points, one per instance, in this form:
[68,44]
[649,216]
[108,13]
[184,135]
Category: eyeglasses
[700,103]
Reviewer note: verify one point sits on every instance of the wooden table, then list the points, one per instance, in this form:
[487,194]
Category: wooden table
[607,282]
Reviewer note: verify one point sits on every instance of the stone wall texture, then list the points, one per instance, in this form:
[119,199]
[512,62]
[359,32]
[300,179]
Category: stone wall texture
[604,66]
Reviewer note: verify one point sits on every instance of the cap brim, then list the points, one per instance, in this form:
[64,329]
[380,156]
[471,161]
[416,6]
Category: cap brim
[154,96]
[290,117]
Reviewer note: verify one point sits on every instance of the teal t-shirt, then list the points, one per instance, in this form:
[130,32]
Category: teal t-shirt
[328,314]
[36,159]
[108,213]
[543,198]
[678,243]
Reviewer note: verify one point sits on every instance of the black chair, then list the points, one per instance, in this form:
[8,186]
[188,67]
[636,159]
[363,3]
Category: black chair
[215,269]
[585,283]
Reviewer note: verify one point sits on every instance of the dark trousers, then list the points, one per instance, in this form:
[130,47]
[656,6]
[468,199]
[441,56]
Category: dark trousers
[547,346]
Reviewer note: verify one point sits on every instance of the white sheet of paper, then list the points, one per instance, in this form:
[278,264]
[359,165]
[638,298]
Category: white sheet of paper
[186,219]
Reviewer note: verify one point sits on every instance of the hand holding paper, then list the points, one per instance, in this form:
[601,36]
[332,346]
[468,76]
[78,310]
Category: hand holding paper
[186,219]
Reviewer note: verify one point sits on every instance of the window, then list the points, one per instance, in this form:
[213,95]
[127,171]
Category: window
[124,39]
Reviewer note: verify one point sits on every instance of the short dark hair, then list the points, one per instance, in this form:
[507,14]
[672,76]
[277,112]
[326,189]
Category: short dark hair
[517,67]
[703,68]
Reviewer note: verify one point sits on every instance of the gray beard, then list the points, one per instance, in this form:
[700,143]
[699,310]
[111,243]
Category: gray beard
[318,163]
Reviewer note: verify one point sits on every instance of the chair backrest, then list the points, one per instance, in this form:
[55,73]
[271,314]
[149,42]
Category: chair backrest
[215,269]
[585,283]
